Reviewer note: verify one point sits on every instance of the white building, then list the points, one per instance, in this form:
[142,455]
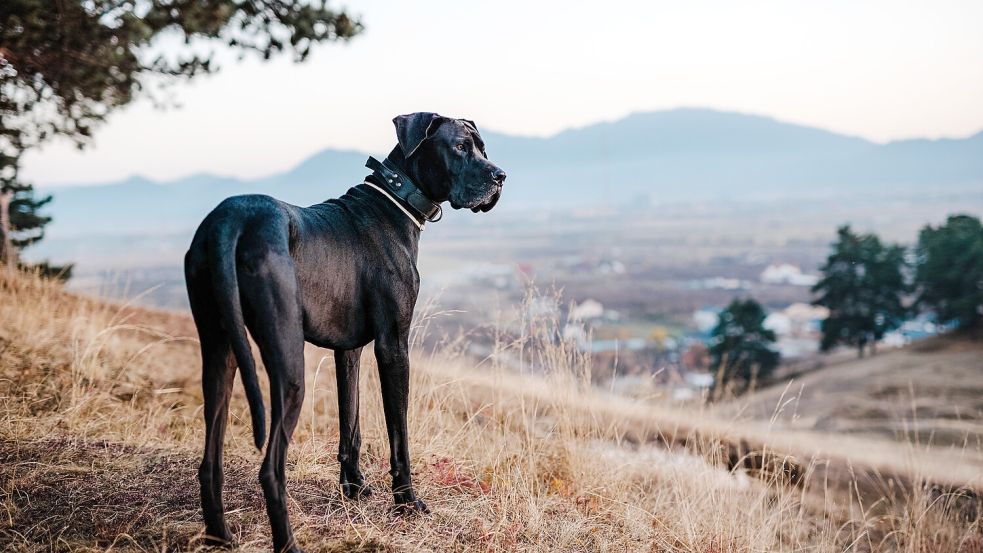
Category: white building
[705,319]
[586,310]
[786,273]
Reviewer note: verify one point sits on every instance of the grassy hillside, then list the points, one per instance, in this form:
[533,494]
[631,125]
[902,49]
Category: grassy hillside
[930,393]
[100,433]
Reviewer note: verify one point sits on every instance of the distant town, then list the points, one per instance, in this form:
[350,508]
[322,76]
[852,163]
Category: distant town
[639,287]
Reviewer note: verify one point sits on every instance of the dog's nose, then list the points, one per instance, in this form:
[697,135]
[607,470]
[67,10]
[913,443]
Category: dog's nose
[498,176]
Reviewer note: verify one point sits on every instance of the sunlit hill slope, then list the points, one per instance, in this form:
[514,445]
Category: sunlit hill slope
[100,437]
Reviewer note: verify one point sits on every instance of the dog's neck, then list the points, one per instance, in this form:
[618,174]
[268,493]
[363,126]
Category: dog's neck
[424,175]
[407,185]
[379,214]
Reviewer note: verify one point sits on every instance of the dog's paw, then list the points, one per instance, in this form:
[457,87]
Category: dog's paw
[290,547]
[353,484]
[220,540]
[355,490]
[408,504]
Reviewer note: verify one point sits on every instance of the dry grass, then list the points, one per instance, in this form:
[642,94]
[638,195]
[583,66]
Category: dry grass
[101,430]
[929,393]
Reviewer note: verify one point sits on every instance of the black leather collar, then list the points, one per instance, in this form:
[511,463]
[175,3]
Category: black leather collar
[404,191]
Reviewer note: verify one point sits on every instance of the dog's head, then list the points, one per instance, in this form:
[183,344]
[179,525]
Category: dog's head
[447,159]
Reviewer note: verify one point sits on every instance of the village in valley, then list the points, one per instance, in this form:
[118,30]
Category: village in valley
[667,358]
[640,290]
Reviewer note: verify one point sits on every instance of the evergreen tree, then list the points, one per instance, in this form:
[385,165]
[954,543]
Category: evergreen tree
[65,66]
[863,287]
[949,270]
[7,169]
[21,220]
[26,224]
[741,347]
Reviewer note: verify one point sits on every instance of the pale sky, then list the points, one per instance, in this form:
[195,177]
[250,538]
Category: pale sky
[884,70]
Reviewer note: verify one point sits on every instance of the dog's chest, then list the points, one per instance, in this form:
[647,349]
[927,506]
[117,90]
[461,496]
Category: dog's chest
[351,288]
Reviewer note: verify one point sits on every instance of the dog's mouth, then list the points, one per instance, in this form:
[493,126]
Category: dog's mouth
[490,188]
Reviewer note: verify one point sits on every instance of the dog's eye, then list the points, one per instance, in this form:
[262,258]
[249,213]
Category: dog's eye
[460,147]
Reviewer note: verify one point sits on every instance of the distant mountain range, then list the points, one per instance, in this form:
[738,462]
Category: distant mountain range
[676,155]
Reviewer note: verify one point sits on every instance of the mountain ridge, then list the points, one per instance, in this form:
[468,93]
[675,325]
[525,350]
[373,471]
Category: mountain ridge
[138,178]
[682,154]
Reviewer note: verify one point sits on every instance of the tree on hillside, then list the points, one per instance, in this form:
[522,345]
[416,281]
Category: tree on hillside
[863,287]
[741,347]
[949,270]
[21,223]
[65,66]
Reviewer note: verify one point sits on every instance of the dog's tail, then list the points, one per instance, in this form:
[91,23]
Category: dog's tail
[226,283]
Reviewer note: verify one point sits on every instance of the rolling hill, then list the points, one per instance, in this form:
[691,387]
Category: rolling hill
[908,395]
[101,432]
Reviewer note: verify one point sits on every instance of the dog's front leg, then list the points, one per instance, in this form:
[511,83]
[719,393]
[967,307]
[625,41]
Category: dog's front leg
[392,356]
[353,484]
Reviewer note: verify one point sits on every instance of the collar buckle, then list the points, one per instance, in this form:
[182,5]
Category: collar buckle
[404,191]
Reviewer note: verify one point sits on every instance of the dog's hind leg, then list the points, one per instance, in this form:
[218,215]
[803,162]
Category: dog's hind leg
[218,374]
[269,288]
[353,484]
[217,378]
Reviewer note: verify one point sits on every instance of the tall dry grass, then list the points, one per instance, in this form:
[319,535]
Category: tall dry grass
[100,433]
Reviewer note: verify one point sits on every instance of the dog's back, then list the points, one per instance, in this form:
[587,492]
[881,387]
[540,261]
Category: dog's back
[213,289]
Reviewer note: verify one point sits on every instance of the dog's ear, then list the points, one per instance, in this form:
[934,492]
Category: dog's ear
[475,135]
[414,128]
[486,207]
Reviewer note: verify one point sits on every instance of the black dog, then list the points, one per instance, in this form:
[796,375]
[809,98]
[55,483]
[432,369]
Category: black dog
[339,275]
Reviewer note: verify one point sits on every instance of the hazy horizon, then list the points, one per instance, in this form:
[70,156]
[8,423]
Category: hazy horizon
[879,70]
[219,174]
